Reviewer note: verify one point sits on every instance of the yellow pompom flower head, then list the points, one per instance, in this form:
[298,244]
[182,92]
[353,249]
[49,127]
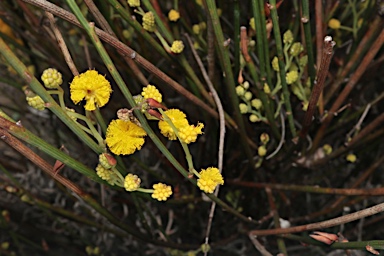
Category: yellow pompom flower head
[133,3]
[179,120]
[161,192]
[92,87]
[149,22]
[173,15]
[209,179]
[150,91]
[131,182]
[177,46]
[124,137]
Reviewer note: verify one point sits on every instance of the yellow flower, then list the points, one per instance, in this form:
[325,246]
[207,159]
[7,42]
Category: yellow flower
[173,15]
[209,179]
[124,137]
[334,24]
[351,158]
[151,91]
[51,78]
[189,133]
[131,182]
[177,46]
[149,22]
[196,29]
[179,120]
[252,23]
[161,191]
[133,3]
[92,87]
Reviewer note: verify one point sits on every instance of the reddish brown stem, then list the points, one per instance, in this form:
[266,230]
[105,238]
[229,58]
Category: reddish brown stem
[349,86]
[328,45]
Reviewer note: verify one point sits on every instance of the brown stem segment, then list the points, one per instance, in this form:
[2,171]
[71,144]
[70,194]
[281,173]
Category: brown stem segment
[319,83]
[323,224]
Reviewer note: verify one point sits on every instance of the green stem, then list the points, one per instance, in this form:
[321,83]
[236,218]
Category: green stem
[279,48]
[230,81]
[308,41]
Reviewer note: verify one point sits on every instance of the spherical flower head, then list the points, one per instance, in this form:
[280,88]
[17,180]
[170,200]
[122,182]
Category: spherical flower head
[124,137]
[196,29]
[161,192]
[252,23]
[189,133]
[173,15]
[209,179]
[256,103]
[261,151]
[327,149]
[351,158]
[248,96]
[92,87]
[292,76]
[36,102]
[334,24]
[149,22]
[179,120]
[296,49]
[51,78]
[288,37]
[254,118]
[240,90]
[275,63]
[243,108]
[103,173]
[151,91]
[133,3]
[107,161]
[177,46]
[131,182]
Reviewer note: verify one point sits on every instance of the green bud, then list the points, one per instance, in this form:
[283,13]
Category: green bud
[275,63]
[288,37]
[243,108]
[296,49]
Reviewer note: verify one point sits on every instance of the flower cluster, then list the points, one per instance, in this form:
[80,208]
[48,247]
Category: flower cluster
[250,105]
[175,125]
[295,63]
